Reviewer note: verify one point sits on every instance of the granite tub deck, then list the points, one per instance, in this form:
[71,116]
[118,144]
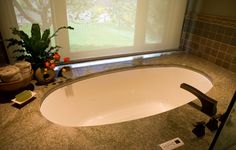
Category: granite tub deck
[26,128]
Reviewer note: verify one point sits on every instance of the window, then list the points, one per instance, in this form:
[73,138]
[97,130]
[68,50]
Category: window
[101,24]
[156,20]
[105,27]
[28,12]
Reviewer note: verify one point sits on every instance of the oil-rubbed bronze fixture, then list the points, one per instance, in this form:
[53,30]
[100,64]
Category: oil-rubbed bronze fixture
[199,129]
[208,104]
[212,124]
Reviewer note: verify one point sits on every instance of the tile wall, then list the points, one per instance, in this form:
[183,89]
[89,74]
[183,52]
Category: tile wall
[210,37]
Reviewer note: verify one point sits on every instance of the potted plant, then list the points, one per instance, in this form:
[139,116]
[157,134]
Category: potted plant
[36,48]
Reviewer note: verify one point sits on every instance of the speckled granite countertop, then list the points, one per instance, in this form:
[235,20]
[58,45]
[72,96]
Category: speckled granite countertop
[26,128]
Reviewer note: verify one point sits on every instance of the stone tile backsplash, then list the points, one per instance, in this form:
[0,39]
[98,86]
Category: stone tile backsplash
[212,38]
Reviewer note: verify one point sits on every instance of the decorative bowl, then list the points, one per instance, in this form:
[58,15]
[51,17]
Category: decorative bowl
[16,85]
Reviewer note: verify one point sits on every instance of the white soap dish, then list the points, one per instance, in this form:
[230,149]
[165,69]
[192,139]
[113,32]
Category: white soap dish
[21,102]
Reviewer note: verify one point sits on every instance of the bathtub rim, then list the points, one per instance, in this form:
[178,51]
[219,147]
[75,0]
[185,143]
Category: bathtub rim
[110,71]
[114,70]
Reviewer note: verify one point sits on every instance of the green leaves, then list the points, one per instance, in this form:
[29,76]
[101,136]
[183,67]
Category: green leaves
[26,57]
[14,42]
[35,49]
[21,34]
[35,33]
[64,27]
[53,47]
[69,27]
[19,51]
[46,34]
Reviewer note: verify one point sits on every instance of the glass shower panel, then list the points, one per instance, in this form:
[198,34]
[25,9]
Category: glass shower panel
[227,137]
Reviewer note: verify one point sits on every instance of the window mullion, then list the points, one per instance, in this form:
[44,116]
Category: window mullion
[140,24]
[59,19]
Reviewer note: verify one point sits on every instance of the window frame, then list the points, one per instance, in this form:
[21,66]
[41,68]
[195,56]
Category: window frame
[170,40]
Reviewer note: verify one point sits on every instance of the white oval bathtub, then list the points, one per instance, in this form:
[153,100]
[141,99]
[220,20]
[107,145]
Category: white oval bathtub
[122,96]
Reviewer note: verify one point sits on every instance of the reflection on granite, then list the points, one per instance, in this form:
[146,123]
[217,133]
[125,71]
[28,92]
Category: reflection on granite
[26,128]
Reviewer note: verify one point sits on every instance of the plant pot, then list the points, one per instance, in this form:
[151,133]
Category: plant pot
[44,76]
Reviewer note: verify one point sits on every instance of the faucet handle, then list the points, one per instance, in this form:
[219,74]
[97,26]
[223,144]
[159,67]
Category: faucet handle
[199,129]
[208,104]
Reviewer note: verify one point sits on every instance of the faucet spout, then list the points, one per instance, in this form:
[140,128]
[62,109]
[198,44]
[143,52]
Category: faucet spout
[208,104]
